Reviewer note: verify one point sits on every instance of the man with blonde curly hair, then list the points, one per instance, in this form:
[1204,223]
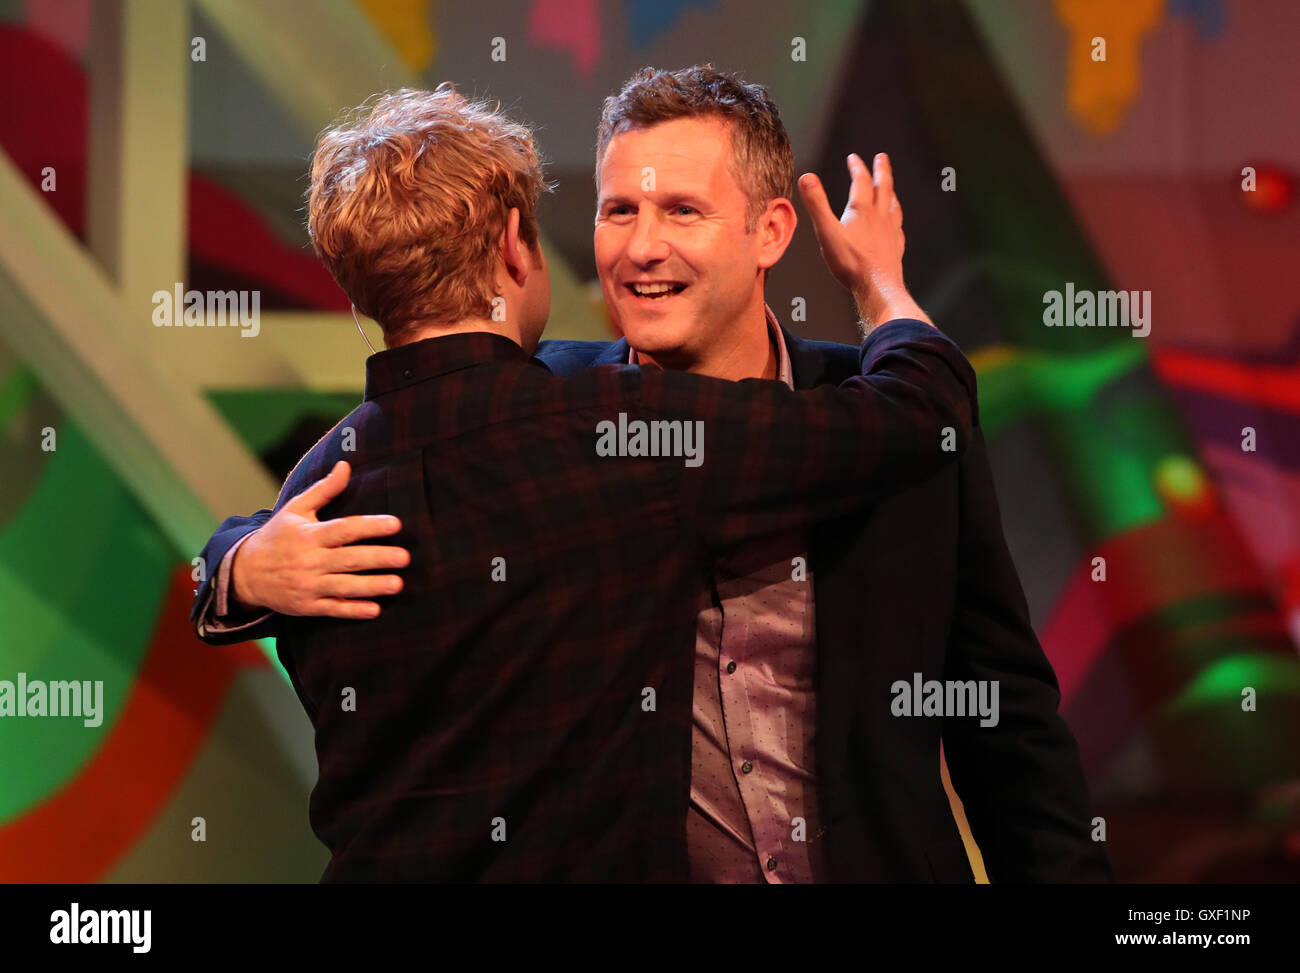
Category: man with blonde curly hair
[410,194]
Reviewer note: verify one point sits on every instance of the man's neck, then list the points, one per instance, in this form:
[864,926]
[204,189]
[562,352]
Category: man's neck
[753,355]
[463,326]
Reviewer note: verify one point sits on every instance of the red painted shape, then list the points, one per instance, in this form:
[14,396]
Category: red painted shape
[228,233]
[1156,565]
[1269,386]
[79,832]
[1274,190]
[46,128]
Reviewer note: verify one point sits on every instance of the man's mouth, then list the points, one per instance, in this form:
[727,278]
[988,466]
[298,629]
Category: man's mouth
[655,290]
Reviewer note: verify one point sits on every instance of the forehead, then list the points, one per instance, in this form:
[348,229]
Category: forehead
[685,153]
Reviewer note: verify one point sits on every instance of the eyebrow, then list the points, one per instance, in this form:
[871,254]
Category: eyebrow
[670,200]
[613,201]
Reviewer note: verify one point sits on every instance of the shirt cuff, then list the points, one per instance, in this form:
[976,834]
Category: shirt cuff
[216,617]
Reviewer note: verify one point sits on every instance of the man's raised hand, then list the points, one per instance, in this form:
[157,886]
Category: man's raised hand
[298,565]
[864,247]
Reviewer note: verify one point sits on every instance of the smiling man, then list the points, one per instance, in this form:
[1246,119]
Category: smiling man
[678,244]
[800,769]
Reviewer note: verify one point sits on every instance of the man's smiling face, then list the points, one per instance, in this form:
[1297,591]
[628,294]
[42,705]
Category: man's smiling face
[678,270]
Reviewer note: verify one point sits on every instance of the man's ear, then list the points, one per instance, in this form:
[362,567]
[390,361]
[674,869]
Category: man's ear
[514,252]
[775,230]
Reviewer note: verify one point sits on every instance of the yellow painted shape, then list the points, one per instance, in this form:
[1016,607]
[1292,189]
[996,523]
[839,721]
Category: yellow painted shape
[405,23]
[1099,93]
[989,357]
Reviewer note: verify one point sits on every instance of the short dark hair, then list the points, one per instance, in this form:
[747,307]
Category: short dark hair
[763,164]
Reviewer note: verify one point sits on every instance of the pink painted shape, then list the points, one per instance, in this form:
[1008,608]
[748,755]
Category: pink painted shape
[568,25]
[1166,561]
[66,22]
[1264,500]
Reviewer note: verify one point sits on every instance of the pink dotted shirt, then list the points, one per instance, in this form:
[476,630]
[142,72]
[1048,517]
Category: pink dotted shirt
[753,813]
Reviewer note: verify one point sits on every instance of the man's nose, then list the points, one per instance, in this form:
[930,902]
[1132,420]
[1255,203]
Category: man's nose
[647,245]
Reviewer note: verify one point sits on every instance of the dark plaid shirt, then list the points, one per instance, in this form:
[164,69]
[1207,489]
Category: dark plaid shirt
[522,710]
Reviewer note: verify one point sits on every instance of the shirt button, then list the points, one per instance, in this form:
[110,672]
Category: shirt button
[731,667]
[406,374]
[771,864]
[746,767]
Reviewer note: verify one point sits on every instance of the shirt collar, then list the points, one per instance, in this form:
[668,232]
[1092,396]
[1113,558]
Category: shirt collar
[784,371]
[396,368]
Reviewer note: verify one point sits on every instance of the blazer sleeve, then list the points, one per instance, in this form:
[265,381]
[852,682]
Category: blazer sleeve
[225,537]
[1022,780]
[779,459]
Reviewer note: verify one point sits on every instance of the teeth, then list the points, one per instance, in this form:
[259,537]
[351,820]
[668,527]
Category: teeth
[652,289]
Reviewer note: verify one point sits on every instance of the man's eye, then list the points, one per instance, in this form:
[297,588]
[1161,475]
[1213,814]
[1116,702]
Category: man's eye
[684,210]
[619,210]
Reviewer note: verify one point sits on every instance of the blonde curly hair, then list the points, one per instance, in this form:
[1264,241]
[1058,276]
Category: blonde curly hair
[410,193]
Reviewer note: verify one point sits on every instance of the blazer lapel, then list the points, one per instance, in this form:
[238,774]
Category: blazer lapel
[819,362]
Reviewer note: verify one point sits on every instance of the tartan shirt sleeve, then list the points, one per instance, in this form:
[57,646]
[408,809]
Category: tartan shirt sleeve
[772,459]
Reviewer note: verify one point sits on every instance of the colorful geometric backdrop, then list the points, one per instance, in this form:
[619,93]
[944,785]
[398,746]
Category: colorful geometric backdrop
[1103,445]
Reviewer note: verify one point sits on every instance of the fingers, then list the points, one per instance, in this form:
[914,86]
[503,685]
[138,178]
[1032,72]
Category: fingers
[349,530]
[874,187]
[883,180]
[860,189]
[351,586]
[344,560]
[322,491]
[819,207]
[864,246]
[338,608]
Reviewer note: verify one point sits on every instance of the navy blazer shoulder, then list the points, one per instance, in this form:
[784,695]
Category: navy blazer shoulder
[813,362]
[567,358]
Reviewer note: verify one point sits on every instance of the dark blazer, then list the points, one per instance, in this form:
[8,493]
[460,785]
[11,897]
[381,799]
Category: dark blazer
[923,582]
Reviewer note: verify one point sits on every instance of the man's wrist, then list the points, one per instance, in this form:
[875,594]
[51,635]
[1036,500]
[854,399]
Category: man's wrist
[875,308]
[237,597]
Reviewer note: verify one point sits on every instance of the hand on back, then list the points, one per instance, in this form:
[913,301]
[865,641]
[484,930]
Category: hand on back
[298,565]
